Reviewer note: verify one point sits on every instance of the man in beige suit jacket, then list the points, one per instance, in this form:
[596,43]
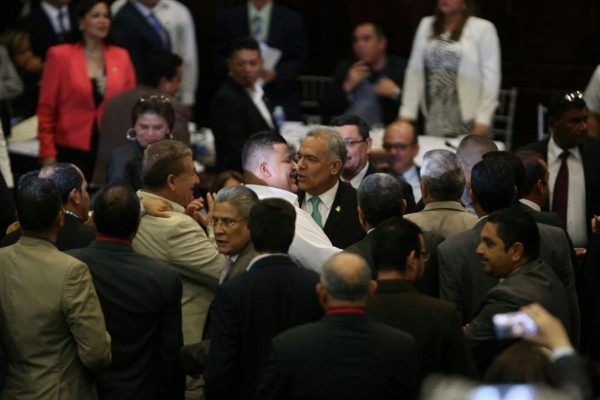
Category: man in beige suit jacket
[168,174]
[442,185]
[51,325]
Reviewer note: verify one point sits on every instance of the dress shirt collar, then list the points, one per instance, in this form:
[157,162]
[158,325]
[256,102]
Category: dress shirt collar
[260,257]
[145,11]
[410,174]
[554,152]
[530,204]
[265,192]
[327,197]
[437,205]
[265,12]
[357,179]
[257,93]
[176,207]
[52,13]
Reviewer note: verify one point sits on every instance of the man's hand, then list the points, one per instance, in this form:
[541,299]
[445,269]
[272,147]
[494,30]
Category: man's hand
[48,160]
[595,223]
[551,332]
[156,207]
[387,88]
[358,72]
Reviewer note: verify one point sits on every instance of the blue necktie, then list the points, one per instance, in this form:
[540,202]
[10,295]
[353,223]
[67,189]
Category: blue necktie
[162,33]
[258,28]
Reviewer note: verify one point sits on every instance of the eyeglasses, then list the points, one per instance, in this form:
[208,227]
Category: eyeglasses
[350,142]
[226,223]
[397,146]
[425,255]
[161,98]
[573,96]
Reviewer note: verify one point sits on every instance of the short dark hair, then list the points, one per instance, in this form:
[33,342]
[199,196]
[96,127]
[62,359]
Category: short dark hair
[82,8]
[377,27]
[154,104]
[162,159]
[534,170]
[493,184]
[219,181]
[65,177]
[38,204]
[116,211]
[256,144]
[243,43]
[565,100]
[522,363]
[355,120]
[272,224]
[514,163]
[160,65]
[393,241]
[380,197]
[515,225]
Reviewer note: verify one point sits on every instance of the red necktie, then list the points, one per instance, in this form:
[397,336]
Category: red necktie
[561,189]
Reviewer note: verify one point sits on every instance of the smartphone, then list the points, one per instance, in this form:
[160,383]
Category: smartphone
[513,325]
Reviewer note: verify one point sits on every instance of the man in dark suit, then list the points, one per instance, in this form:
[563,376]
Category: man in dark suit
[72,187]
[238,110]
[462,281]
[345,355]
[250,309]
[509,249]
[47,25]
[380,196]
[141,302]
[370,85]
[330,202]
[570,146]
[400,255]
[230,226]
[278,27]
[355,132]
[140,32]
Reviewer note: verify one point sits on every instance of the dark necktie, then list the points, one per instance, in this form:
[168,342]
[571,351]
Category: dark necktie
[160,30]
[61,24]
[560,197]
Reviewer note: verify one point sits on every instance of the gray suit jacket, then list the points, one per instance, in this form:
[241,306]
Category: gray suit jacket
[532,282]
[51,325]
[463,282]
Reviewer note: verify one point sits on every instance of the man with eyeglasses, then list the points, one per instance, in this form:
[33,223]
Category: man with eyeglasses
[400,254]
[329,201]
[230,226]
[251,308]
[573,164]
[401,144]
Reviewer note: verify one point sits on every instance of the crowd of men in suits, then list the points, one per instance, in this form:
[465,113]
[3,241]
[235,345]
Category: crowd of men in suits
[322,276]
[259,298]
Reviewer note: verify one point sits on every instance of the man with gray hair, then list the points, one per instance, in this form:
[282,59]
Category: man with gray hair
[442,185]
[324,359]
[380,197]
[270,171]
[329,201]
[230,226]
[470,151]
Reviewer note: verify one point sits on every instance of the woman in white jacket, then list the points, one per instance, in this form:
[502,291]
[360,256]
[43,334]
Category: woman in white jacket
[453,73]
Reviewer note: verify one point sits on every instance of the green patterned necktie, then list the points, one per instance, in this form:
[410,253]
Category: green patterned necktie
[316,215]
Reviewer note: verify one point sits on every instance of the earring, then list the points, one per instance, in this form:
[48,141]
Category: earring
[130,134]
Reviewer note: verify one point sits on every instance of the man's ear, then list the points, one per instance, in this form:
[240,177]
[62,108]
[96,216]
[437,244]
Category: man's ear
[403,206]
[171,181]
[361,217]
[75,196]
[60,219]
[264,169]
[336,167]
[518,251]
[372,288]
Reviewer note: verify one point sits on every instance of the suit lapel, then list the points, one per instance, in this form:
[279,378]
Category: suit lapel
[336,213]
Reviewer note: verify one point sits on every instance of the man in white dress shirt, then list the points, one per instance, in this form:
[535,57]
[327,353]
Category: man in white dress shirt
[270,171]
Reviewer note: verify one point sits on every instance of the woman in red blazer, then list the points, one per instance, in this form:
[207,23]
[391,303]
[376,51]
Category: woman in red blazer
[78,79]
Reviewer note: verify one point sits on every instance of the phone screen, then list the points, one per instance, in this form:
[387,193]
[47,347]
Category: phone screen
[513,325]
